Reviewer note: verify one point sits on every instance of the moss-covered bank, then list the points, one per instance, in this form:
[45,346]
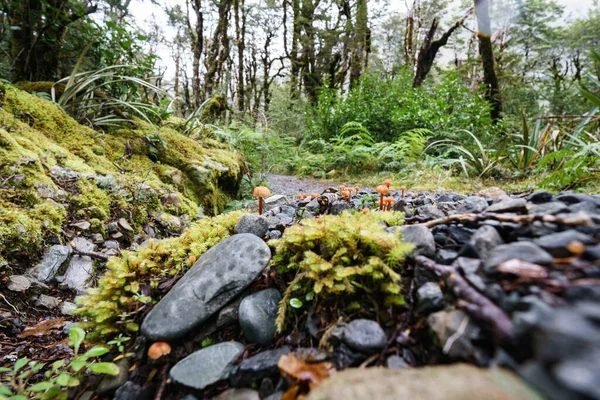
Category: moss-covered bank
[54,171]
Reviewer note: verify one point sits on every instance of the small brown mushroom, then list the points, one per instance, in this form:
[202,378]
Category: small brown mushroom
[357,189]
[383,191]
[314,196]
[402,188]
[576,247]
[260,192]
[159,349]
[365,210]
[388,182]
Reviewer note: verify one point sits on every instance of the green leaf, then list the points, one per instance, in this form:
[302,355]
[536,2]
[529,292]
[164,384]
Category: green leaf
[76,365]
[18,397]
[76,335]
[105,368]
[40,387]
[296,303]
[96,352]
[309,296]
[57,364]
[65,379]
[20,364]
[4,369]
[4,390]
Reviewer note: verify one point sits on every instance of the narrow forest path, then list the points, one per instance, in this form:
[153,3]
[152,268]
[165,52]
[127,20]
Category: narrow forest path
[292,185]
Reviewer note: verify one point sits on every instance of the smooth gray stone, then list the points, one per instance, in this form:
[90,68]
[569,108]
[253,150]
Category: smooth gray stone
[207,366]
[50,263]
[255,368]
[396,362]
[421,237]
[238,394]
[257,315]
[524,251]
[556,243]
[540,197]
[254,224]
[507,205]
[215,279]
[18,283]
[429,298]
[552,208]
[364,335]
[110,383]
[473,204]
[79,273]
[47,301]
[429,211]
[485,239]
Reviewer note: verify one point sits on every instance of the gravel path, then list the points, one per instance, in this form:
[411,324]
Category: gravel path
[292,185]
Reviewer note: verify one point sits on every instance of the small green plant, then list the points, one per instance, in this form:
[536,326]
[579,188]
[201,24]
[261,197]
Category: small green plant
[369,201]
[58,376]
[119,342]
[339,260]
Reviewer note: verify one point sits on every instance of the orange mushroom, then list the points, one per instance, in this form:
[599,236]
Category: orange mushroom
[390,203]
[365,210]
[403,188]
[260,192]
[383,191]
[357,189]
[576,247]
[388,182]
[314,196]
[192,259]
[159,349]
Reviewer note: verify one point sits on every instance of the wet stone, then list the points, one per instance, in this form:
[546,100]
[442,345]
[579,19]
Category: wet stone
[429,298]
[216,278]
[364,335]
[524,251]
[50,263]
[473,204]
[485,239]
[18,283]
[257,367]
[508,205]
[207,366]
[421,237]
[254,224]
[556,243]
[257,315]
[47,301]
[428,212]
[540,197]
[551,208]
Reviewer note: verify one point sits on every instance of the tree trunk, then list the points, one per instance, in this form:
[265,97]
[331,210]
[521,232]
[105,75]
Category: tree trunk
[487,57]
[197,48]
[294,61]
[240,37]
[360,42]
[219,50]
[430,48]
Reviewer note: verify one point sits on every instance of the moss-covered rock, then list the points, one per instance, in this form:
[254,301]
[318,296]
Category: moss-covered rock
[99,175]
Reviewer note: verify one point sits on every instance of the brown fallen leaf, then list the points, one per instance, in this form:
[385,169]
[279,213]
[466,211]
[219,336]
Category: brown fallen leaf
[42,328]
[522,269]
[313,374]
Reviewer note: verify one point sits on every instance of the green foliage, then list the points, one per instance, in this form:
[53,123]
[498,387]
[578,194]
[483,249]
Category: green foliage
[388,107]
[339,259]
[58,377]
[115,306]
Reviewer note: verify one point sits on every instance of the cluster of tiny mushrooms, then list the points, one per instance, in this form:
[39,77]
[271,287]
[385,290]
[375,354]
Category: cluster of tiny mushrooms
[385,201]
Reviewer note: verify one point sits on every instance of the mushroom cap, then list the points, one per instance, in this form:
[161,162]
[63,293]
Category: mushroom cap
[387,182]
[261,191]
[366,210]
[402,187]
[356,188]
[576,247]
[159,349]
[314,196]
[382,189]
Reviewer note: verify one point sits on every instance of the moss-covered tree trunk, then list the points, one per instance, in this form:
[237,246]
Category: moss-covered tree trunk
[240,37]
[219,49]
[294,59]
[197,47]
[484,33]
[359,47]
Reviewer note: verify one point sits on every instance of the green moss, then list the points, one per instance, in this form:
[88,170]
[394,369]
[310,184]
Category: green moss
[93,200]
[339,261]
[97,226]
[116,304]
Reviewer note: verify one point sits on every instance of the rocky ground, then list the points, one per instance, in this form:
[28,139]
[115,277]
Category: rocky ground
[507,283]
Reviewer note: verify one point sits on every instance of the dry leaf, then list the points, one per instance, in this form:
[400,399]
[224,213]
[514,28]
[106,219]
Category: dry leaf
[522,269]
[313,374]
[44,327]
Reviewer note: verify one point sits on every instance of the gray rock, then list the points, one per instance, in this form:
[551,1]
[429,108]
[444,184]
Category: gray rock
[275,223]
[485,239]
[288,210]
[79,274]
[257,316]
[275,234]
[338,207]
[429,212]
[535,374]
[207,366]
[47,301]
[524,251]
[270,202]
[110,383]
[257,367]
[445,324]
[508,205]
[128,391]
[67,308]
[125,225]
[581,374]
[540,197]
[446,257]
[573,198]
[364,335]
[254,224]
[112,244]
[217,277]
[396,362]
[468,265]
[556,243]
[473,204]
[313,205]
[83,225]
[18,283]
[50,264]
[238,394]
[421,237]
[429,298]
[552,208]
[447,206]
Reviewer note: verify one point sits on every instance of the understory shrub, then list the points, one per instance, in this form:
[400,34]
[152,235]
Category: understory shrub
[340,260]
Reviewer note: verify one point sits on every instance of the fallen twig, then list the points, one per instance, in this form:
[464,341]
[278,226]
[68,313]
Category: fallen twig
[163,382]
[7,302]
[476,304]
[93,254]
[519,219]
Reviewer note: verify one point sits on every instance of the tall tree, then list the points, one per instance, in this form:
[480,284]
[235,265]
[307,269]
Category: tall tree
[219,49]
[360,46]
[484,34]
[197,34]
[240,38]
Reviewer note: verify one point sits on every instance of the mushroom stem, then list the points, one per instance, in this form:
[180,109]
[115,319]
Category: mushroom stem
[260,205]
[381,202]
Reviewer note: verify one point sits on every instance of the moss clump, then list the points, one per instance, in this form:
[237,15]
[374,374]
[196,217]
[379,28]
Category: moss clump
[115,305]
[340,259]
[93,200]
